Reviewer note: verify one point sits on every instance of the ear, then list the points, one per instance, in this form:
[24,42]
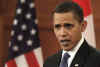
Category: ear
[83,26]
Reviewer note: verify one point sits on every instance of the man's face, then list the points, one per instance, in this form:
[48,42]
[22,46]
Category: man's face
[67,30]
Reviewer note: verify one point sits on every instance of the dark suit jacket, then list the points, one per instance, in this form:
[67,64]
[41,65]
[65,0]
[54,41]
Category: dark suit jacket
[85,57]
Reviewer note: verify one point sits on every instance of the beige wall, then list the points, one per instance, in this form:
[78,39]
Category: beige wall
[48,40]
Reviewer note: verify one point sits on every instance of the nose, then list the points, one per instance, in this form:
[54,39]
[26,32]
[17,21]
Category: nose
[63,32]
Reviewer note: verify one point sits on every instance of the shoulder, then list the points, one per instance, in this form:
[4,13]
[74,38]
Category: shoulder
[53,57]
[52,60]
[91,52]
[91,55]
[94,57]
[94,52]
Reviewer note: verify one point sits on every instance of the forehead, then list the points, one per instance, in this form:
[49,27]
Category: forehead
[64,18]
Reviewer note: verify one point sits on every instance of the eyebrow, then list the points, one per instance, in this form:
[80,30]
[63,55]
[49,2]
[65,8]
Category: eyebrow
[68,24]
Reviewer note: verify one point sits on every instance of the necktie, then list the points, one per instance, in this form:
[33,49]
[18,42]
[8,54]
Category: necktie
[64,60]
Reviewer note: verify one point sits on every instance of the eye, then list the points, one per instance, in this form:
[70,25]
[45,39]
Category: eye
[57,26]
[68,26]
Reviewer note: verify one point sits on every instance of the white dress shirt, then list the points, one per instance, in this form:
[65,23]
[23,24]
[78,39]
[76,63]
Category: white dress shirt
[73,52]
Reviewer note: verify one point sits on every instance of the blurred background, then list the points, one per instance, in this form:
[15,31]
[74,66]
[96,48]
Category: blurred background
[47,37]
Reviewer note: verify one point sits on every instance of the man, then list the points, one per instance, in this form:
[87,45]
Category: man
[68,27]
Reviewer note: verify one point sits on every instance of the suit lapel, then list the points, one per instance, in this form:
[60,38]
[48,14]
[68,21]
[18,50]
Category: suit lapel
[81,56]
[58,58]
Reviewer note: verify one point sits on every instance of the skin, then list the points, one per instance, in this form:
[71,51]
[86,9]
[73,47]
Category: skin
[68,30]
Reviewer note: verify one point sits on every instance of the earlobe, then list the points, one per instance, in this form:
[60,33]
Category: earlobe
[84,25]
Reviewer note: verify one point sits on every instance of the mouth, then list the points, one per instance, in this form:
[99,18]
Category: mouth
[65,42]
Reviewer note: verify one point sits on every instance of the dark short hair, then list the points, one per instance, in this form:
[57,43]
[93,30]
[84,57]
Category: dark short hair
[70,7]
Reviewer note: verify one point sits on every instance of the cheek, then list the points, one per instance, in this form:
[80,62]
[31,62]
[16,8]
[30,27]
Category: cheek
[76,34]
[56,33]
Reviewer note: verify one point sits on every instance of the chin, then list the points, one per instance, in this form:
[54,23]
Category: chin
[67,48]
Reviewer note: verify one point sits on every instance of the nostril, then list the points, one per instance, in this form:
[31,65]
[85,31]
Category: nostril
[63,35]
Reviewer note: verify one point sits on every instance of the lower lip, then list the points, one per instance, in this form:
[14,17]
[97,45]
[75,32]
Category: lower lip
[66,43]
